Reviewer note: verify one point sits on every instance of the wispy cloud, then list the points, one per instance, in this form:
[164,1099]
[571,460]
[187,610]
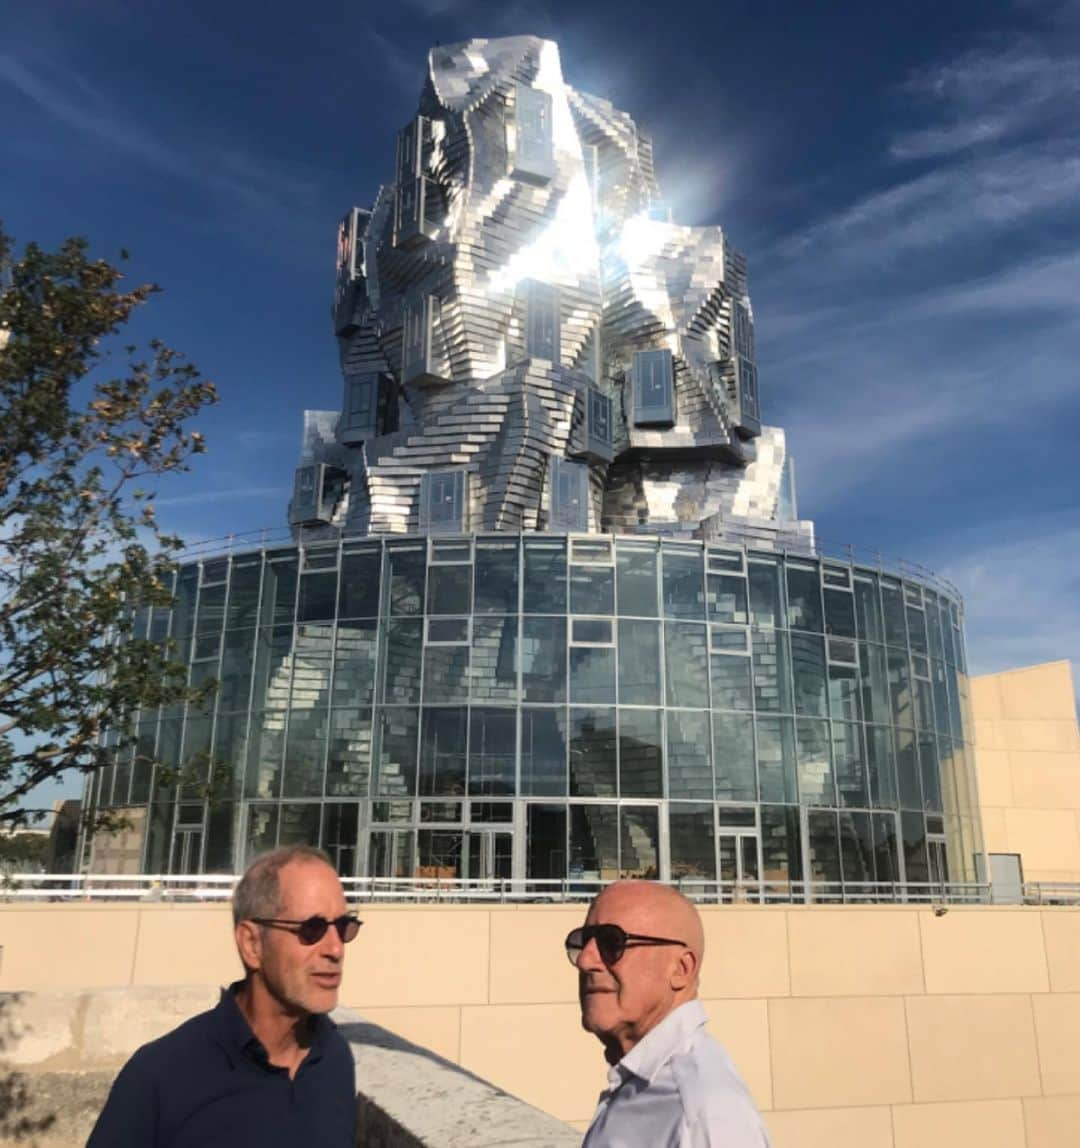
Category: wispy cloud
[221,168]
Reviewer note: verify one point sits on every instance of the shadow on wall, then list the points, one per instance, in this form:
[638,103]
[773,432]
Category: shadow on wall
[23,1115]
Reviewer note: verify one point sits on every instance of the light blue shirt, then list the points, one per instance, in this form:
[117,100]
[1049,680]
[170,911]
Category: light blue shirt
[676,1088]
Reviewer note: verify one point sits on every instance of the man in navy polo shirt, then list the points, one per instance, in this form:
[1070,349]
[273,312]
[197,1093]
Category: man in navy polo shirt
[265,1067]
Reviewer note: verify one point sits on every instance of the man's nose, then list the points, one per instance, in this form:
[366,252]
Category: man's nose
[332,945]
[589,958]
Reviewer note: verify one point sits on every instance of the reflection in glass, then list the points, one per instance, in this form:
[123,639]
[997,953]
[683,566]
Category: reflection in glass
[358,594]
[772,688]
[545,842]
[348,763]
[543,659]
[844,692]
[808,671]
[305,753]
[781,848]
[312,654]
[907,768]
[496,578]
[592,752]
[405,577]
[848,763]
[892,603]
[776,760]
[635,569]
[885,856]
[340,832]
[727,598]
[395,763]
[881,766]
[545,576]
[839,613]
[262,825]
[404,643]
[687,664]
[639,842]
[639,663]
[804,598]
[684,587]
[355,645]
[594,843]
[279,591]
[688,765]
[318,593]
[816,785]
[442,751]
[267,744]
[449,588]
[391,853]
[592,674]
[299,824]
[916,860]
[731,682]
[824,854]
[439,854]
[856,852]
[900,688]
[929,769]
[868,608]
[493,667]
[592,589]
[244,581]
[446,673]
[237,663]
[733,757]
[692,842]
[543,752]
[640,753]
[492,752]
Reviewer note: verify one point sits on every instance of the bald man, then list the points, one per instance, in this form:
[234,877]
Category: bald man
[670,1084]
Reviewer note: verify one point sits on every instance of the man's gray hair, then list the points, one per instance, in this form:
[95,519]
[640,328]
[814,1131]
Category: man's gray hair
[258,892]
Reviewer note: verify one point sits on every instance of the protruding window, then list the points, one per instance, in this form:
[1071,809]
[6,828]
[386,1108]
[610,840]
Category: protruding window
[654,388]
[599,419]
[542,322]
[442,501]
[417,202]
[419,320]
[748,397]
[312,499]
[349,289]
[368,408]
[569,493]
[743,333]
[590,156]
[533,146]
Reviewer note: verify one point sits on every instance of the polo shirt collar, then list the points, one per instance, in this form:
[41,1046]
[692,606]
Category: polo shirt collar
[657,1047]
[235,1036]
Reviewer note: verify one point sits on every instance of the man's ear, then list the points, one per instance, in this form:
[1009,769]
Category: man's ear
[684,970]
[249,942]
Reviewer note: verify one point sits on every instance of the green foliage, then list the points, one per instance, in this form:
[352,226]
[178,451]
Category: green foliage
[84,424]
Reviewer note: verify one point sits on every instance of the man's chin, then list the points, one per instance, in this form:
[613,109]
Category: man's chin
[596,1013]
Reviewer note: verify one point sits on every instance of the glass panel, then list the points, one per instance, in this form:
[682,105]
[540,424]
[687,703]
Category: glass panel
[916,861]
[635,569]
[449,589]
[592,673]
[318,593]
[355,645]
[765,594]
[405,577]
[868,609]
[639,663]
[545,842]
[348,763]
[300,824]
[929,767]
[220,837]
[881,766]
[591,630]
[816,784]
[839,614]
[279,592]
[237,663]
[781,847]
[907,766]
[733,755]
[272,665]
[486,812]
[545,577]
[340,832]
[804,598]
[900,688]
[749,858]
[543,659]
[442,752]
[772,689]
[874,682]
[305,753]
[391,853]
[262,826]
[844,692]
[493,668]
[446,673]
[492,752]
[640,753]
[244,593]
[358,594]
[824,854]
[848,763]
[731,682]
[727,599]
[439,855]
[267,744]
[312,657]
[692,842]
[856,853]
[887,866]
[592,752]
[916,621]
[392,812]
[594,843]
[808,670]
[404,643]
[592,590]
[639,842]
[892,603]
[924,706]
[496,587]
[687,657]
[688,766]
[543,752]
[684,588]
[776,760]
[395,764]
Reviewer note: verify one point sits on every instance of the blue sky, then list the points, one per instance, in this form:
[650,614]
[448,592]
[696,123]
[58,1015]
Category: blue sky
[904,180]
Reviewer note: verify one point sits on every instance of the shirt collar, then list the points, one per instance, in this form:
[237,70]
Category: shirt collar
[660,1044]
[236,1038]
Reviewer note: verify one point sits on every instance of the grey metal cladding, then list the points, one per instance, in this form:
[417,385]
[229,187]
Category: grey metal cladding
[502,306]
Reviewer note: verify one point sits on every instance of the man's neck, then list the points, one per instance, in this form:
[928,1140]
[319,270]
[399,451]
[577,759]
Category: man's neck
[283,1032]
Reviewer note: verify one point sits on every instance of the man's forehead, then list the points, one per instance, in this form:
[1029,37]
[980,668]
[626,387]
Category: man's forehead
[306,878]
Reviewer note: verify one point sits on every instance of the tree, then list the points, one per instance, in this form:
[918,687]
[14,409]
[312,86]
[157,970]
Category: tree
[83,423]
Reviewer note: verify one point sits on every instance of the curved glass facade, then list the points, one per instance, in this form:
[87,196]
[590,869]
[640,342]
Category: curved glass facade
[571,707]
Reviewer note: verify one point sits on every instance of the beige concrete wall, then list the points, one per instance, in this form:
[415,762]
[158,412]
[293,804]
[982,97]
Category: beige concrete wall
[1027,761]
[876,1026]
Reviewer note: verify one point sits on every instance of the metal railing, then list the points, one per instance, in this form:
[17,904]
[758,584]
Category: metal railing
[1051,893]
[218,887]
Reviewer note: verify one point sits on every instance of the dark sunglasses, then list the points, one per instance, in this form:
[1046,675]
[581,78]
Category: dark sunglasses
[312,931]
[611,942]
